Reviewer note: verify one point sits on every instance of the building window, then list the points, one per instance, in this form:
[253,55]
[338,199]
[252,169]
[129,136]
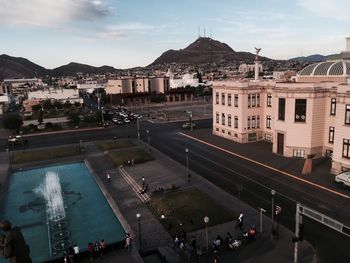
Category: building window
[258,121]
[217,129]
[236,122]
[268,122]
[249,100]
[281,108]
[217,117]
[331,135]
[253,122]
[217,98]
[248,123]
[298,153]
[236,100]
[251,137]
[258,100]
[229,133]
[223,118]
[333,106]
[223,98]
[347,114]
[269,100]
[229,99]
[229,120]
[300,110]
[253,100]
[346,148]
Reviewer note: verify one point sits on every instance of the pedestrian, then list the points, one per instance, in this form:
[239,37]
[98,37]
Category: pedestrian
[103,246]
[91,250]
[143,182]
[76,251]
[97,250]
[132,162]
[70,252]
[128,241]
[13,245]
[108,178]
[240,221]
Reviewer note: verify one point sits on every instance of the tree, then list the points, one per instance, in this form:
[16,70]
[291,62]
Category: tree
[57,104]
[67,105]
[12,121]
[40,117]
[74,118]
[36,107]
[77,104]
[47,105]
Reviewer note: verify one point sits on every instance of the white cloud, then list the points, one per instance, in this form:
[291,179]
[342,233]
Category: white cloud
[122,30]
[50,13]
[335,9]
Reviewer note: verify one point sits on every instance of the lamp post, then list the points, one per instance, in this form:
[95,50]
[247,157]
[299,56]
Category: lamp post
[138,216]
[262,210]
[273,193]
[138,128]
[206,221]
[188,174]
[148,138]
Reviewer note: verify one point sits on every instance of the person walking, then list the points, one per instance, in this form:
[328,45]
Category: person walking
[128,241]
[103,246]
[240,221]
[108,178]
[12,244]
[91,251]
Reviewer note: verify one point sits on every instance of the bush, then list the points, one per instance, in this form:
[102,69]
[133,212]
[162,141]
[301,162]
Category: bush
[12,121]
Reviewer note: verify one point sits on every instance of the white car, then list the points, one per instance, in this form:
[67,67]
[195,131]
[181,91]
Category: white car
[343,178]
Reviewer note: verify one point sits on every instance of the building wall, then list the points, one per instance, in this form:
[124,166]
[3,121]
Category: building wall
[300,138]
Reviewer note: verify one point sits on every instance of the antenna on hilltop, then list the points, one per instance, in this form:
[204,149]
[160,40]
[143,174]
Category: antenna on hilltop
[199,31]
[204,31]
[211,33]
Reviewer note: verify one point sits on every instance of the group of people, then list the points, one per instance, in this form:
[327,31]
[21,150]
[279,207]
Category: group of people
[190,247]
[97,250]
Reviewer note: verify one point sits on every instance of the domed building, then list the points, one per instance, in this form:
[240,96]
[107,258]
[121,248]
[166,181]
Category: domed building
[306,118]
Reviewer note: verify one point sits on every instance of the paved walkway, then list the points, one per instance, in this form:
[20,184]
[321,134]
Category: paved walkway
[164,171]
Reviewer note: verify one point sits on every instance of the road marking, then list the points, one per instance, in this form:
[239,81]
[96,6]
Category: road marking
[266,166]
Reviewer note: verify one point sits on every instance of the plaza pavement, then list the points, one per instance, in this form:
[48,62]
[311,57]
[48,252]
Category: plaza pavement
[163,171]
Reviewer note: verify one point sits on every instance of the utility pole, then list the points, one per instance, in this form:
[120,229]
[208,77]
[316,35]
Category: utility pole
[138,128]
[298,219]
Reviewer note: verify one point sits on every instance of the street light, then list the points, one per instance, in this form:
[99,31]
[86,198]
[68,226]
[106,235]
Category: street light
[138,128]
[148,138]
[190,116]
[206,221]
[188,174]
[138,216]
[273,193]
[262,210]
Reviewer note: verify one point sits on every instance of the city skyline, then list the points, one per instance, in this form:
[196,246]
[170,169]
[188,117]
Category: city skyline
[134,33]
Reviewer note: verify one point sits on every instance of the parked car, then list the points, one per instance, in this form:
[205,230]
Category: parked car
[15,140]
[187,125]
[343,178]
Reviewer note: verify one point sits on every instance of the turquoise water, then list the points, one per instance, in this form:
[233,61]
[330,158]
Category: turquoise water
[89,217]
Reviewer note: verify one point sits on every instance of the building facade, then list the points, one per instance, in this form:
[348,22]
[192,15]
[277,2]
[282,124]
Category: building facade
[309,117]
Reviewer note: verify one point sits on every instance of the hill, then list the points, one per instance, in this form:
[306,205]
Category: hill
[204,50]
[17,67]
[312,58]
[74,68]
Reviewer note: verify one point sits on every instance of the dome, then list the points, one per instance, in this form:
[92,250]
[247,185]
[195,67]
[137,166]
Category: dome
[328,68]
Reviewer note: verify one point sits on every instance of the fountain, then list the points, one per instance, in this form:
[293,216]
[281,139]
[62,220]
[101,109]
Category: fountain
[51,190]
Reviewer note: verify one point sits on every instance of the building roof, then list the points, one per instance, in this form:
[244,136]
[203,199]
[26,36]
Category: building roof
[328,68]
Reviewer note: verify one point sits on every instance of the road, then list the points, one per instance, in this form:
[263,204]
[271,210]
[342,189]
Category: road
[248,181]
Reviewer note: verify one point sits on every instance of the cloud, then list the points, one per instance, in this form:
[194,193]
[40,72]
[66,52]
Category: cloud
[122,30]
[335,9]
[51,13]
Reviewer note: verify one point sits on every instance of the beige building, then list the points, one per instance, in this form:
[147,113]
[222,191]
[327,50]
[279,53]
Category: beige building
[308,117]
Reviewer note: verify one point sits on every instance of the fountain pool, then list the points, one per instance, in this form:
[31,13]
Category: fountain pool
[57,206]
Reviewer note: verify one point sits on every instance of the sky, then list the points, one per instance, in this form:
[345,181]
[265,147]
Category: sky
[130,33]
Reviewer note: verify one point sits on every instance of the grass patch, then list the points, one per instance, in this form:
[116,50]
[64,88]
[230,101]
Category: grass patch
[122,157]
[115,144]
[187,208]
[45,154]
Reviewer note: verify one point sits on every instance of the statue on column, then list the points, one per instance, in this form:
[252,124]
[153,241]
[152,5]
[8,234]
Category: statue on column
[257,51]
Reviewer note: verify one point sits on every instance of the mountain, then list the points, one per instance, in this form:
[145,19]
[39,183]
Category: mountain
[204,50]
[17,67]
[13,67]
[312,58]
[74,68]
